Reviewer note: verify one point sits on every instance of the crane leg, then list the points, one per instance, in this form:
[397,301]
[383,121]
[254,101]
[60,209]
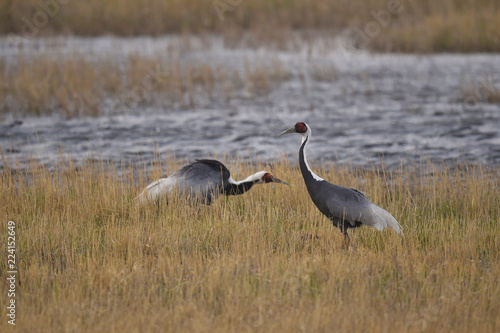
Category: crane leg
[347,240]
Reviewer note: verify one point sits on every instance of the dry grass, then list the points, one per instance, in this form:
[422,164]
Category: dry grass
[325,72]
[74,86]
[263,79]
[464,30]
[482,91]
[421,26]
[92,260]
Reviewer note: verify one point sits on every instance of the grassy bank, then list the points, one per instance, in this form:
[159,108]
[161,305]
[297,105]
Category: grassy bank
[75,86]
[89,259]
[413,26]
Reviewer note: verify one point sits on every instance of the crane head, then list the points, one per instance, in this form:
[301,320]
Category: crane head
[299,127]
[263,177]
[268,178]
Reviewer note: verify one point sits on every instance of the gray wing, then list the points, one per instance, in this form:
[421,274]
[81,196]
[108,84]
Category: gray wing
[341,203]
[351,205]
[199,180]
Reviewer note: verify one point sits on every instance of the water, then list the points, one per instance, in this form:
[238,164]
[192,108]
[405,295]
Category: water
[399,108]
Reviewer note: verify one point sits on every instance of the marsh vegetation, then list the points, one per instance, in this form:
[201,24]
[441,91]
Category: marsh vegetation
[399,25]
[92,260]
[183,76]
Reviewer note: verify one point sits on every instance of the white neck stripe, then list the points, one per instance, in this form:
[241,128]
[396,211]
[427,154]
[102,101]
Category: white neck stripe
[251,178]
[304,138]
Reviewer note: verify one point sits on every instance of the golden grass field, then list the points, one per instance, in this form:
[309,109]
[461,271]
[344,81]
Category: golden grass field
[419,26]
[91,260]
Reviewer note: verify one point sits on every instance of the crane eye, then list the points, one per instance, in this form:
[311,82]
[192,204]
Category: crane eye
[301,127]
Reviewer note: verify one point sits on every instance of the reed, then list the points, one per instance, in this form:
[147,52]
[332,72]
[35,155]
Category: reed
[91,259]
[483,90]
[420,26]
[75,86]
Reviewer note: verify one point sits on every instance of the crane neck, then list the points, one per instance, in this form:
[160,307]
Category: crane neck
[239,187]
[307,173]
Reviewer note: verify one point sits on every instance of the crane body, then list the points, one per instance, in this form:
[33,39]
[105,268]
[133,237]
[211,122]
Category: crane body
[345,207]
[203,181]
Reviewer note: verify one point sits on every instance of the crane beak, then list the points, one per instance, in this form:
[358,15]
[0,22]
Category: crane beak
[288,131]
[276,180]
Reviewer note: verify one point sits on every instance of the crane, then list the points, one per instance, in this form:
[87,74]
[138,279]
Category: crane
[203,181]
[345,207]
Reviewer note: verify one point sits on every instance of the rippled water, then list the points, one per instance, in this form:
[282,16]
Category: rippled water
[396,107]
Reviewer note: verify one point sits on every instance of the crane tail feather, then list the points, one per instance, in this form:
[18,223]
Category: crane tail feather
[382,219]
[157,189]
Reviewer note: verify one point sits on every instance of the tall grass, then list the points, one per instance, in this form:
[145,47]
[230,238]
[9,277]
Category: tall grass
[75,86]
[483,90]
[421,26]
[90,259]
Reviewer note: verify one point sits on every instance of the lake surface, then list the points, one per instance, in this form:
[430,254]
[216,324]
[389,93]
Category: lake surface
[396,107]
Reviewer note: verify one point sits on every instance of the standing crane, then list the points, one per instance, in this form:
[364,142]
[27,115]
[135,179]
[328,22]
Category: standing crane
[345,207]
[203,181]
